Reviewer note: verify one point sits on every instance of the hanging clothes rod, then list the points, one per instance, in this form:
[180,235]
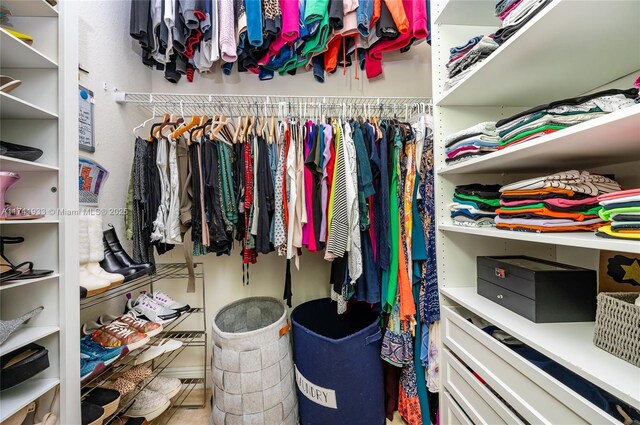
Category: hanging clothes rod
[195,104]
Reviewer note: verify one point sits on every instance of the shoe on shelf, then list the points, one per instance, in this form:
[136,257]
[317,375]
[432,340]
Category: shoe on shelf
[149,404]
[26,153]
[151,310]
[107,398]
[136,374]
[154,350]
[90,368]
[83,292]
[94,285]
[95,351]
[111,264]
[21,271]
[8,83]
[111,238]
[93,229]
[22,364]
[168,302]
[163,384]
[7,327]
[116,335]
[123,386]
[130,319]
[92,414]
[125,420]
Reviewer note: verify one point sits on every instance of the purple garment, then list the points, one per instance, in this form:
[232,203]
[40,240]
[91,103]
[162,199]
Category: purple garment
[326,154]
[558,202]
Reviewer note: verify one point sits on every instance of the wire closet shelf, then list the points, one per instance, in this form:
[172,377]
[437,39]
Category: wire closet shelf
[280,105]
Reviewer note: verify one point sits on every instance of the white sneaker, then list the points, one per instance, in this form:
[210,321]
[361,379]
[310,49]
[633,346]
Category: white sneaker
[168,302]
[149,404]
[165,385]
[94,284]
[154,350]
[151,310]
[114,278]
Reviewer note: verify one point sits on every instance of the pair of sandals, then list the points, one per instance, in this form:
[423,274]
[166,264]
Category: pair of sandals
[24,270]
[49,418]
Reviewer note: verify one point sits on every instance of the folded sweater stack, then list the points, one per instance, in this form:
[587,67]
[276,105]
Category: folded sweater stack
[514,15]
[474,205]
[464,58]
[560,114]
[622,212]
[472,142]
[562,202]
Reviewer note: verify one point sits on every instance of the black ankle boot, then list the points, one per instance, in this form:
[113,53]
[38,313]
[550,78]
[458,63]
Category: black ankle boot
[111,237]
[111,264]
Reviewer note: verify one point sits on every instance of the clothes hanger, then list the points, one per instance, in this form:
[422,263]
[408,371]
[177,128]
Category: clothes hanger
[153,116]
[155,128]
[188,126]
[238,128]
[272,129]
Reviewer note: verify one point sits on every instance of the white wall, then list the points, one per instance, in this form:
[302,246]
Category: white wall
[109,54]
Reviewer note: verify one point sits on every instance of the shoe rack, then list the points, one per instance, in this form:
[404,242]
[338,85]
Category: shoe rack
[189,328]
[43,113]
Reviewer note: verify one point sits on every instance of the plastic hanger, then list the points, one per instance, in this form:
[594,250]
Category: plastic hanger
[153,116]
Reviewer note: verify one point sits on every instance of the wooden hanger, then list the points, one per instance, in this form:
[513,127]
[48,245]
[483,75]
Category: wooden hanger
[188,126]
[221,123]
[153,131]
[237,132]
[170,123]
[272,129]
[253,123]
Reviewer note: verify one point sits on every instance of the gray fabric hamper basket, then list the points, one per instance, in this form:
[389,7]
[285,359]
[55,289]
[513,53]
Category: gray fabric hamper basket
[617,328]
[252,367]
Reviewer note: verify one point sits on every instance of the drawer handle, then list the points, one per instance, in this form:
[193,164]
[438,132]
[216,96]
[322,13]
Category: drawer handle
[501,273]
[500,296]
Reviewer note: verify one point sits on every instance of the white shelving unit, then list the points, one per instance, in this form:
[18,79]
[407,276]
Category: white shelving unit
[550,58]
[42,112]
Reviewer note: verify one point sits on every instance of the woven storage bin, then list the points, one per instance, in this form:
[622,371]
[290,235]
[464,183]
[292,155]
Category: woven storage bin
[253,378]
[338,364]
[617,329]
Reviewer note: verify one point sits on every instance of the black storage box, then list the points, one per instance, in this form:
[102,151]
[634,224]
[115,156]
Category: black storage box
[542,291]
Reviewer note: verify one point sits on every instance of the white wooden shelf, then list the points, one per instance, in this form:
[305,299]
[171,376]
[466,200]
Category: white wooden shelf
[12,107]
[44,220]
[570,344]
[30,8]
[26,335]
[21,395]
[552,56]
[575,239]
[16,283]
[16,54]
[610,139]
[14,164]
[468,12]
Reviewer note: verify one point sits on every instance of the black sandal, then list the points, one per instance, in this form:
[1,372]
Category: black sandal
[23,270]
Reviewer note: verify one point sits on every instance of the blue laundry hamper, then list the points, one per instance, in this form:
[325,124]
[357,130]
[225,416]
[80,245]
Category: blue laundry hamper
[337,364]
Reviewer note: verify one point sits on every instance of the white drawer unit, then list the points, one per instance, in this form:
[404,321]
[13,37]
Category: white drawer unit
[452,414]
[482,406]
[536,396]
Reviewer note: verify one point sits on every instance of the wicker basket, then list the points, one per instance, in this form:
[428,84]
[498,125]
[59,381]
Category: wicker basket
[617,329]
